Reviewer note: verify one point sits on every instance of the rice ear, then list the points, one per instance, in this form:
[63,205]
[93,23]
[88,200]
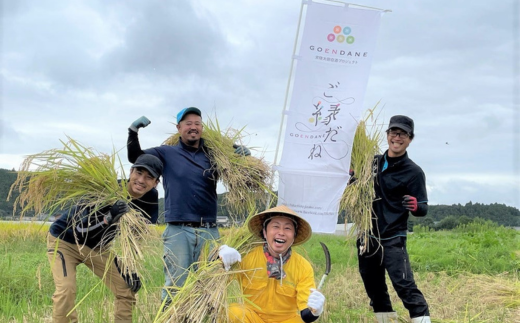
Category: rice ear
[209,289]
[58,179]
[246,178]
[358,197]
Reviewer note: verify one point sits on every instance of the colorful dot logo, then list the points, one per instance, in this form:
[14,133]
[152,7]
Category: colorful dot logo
[341,35]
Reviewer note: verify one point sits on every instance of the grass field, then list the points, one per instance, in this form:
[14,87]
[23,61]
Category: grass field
[471,274]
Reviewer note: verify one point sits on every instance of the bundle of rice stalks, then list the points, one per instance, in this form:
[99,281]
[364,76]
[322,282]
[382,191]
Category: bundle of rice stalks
[58,179]
[209,288]
[66,176]
[134,229]
[358,197]
[246,178]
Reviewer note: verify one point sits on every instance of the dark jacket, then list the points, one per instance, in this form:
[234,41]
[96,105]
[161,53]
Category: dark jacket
[401,176]
[189,180]
[78,225]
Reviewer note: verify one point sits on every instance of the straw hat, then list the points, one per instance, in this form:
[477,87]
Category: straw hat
[256,223]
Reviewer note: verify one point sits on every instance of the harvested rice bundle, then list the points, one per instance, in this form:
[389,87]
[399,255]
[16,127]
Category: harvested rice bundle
[358,197]
[208,288]
[128,244]
[77,175]
[67,176]
[246,178]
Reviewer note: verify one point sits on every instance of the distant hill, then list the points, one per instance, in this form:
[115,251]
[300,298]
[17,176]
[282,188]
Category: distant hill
[499,213]
[7,178]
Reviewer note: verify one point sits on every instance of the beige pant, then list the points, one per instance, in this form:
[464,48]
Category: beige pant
[64,258]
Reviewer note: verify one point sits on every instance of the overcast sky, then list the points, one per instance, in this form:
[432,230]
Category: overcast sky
[87,69]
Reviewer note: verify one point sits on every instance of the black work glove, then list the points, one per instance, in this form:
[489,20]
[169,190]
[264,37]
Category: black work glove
[132,280]
[116,211]
[352,179]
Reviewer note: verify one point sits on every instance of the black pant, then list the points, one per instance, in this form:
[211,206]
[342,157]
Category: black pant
[390,255]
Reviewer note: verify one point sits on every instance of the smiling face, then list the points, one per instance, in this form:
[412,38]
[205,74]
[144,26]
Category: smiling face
[398,141]
[140,182]
[279,234]
[190,129]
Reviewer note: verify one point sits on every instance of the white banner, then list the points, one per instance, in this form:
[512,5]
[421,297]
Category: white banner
[333,66]
[313,196]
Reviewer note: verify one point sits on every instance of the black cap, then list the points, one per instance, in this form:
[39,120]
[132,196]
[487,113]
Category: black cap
[401,122]
[151,163]
[185,111]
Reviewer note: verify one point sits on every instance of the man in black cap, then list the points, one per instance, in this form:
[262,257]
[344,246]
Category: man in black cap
[82,235]
[400,187]
[190,188]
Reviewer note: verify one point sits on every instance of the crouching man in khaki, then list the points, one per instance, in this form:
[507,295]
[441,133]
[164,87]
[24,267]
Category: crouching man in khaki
[81,236]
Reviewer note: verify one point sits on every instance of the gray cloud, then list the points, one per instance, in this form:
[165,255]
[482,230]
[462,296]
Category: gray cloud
[87,69]
[169,39]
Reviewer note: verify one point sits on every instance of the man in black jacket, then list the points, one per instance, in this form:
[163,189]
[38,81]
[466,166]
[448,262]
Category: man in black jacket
[400,187]
[81,235]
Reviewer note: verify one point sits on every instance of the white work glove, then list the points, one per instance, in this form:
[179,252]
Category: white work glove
[316,302]
[229,256]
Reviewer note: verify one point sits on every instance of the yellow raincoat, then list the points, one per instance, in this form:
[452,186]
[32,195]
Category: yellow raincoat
[277,301]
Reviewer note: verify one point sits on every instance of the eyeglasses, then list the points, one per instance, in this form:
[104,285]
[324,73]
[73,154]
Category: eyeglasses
[394,134]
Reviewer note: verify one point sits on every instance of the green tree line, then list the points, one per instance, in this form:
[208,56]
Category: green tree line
[450,216]
[443,216]
[7,178]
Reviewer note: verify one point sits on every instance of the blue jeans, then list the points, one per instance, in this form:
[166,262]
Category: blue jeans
[182,247]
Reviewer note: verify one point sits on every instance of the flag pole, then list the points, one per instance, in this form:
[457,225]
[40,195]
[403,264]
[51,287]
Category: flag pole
[304,2]
[286,98]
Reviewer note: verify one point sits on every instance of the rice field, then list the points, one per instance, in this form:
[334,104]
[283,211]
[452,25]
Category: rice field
[467,275]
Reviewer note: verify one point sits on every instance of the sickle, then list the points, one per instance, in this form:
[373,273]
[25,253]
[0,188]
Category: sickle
[327,268]
[327,264]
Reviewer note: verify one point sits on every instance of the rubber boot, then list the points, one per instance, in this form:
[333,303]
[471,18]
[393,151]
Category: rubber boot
[421,319]
[386,317]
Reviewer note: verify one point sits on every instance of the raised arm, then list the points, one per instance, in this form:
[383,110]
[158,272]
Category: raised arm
[132,145]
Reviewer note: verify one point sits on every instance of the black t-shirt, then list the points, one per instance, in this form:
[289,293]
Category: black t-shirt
[149,203]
